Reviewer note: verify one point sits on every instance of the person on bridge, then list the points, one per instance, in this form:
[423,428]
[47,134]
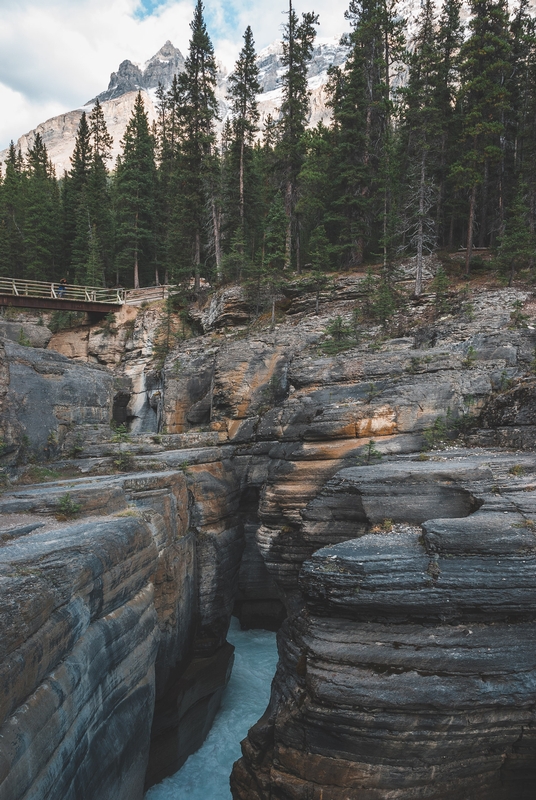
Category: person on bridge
[62,288]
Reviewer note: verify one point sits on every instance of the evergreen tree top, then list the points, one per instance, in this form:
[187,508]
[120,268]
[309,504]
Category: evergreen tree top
[298,41]
[101,141]
[81,156]
[38,162]
[244,86]
[137,133]
[198,80]
[484,64]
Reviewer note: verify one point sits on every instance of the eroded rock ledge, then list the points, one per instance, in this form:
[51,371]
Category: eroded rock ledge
[407,657]
[100,622]
[411,670]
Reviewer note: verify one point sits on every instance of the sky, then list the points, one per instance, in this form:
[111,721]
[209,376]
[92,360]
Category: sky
[55,55]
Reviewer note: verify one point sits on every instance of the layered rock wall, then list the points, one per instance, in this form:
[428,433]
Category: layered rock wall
[410,671]
[282,480]
[80,642]
[49,400]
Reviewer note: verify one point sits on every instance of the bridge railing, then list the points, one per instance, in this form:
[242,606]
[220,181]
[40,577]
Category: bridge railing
[89,294]
[148,294]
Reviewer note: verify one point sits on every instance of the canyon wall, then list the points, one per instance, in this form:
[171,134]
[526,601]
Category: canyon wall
[117,592]
[363,495]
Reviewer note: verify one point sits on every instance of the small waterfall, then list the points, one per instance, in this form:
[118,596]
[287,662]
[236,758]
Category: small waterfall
[144,408]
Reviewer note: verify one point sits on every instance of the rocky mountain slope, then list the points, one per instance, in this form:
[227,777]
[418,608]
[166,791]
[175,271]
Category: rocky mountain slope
[382,498]
[117,101]
[161,68]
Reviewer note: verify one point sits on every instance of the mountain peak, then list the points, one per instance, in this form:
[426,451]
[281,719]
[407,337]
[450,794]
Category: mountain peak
[130,77]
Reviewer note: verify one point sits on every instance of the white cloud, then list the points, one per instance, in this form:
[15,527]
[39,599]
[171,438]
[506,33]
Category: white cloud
[266,20]
[57,54]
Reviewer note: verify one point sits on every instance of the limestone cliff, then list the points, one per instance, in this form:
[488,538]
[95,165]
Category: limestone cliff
[362,704]
[371,496]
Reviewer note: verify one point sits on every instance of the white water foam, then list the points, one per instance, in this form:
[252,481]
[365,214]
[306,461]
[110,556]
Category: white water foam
[205,776]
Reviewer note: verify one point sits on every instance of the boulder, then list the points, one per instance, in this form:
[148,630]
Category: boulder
[25,333]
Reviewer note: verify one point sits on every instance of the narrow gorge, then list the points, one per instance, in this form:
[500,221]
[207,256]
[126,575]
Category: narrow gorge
[375,504]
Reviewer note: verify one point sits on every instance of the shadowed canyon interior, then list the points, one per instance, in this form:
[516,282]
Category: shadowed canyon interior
[400,576]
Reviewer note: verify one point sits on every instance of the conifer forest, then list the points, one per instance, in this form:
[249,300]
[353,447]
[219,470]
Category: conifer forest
[432,146]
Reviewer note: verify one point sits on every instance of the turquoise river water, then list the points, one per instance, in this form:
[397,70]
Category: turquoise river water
[205,776]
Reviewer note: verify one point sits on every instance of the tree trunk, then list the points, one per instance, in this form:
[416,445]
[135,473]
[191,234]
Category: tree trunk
[241,182]
[136,266]
[470,226]
[385,209]
[289,210]
[217,239]
[512,272]
[420,229]
[532,221]
[451,231]
[484,215]
[387,140]
[441,194]
[298,251]
[136,272]
[197,263]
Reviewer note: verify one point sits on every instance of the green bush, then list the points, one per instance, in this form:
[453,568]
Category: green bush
[124,461]
[372,393]
[120,433]
[440,285]
[517,470]
[517,318]
[67,507]
[23,339]
[437,435]
[62,320]
[470,358]
[371,454]
[37,474]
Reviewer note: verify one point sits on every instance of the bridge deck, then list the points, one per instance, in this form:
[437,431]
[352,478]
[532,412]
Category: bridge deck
[40,294]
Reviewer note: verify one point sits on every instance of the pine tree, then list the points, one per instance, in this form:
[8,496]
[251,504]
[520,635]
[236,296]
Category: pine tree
[275,250]
[319,249]
[484,98]
[448,41]
[135,198]
[316,189]
[194,184]
[298,40]
[77,215]
[243,89]
[93,266]
[98,195]
[42,221]
[12,217]
[236,263]
[360,96]
[521,128]
[517,245]
[420,133]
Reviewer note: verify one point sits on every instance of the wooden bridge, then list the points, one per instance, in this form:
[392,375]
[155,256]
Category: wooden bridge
[40,294]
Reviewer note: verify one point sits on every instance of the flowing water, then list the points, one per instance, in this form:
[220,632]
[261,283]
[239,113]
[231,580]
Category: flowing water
[205,776]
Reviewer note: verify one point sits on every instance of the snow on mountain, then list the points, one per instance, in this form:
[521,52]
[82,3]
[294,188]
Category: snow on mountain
[117,100]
